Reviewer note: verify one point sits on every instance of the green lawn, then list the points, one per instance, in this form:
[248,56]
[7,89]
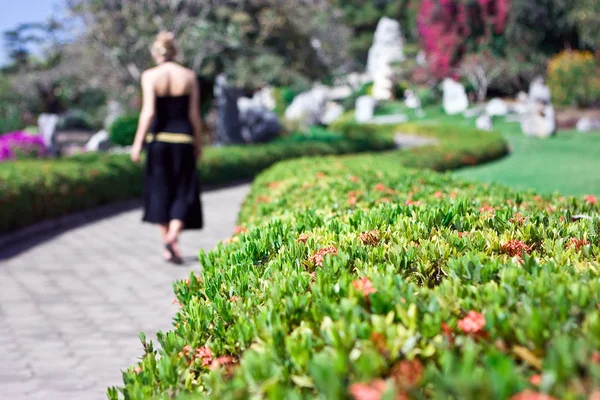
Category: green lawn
[568,163]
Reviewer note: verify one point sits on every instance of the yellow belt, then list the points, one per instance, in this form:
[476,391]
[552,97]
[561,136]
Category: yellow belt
[170,138]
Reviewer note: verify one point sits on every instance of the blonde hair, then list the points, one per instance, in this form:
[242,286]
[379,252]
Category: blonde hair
[164,45]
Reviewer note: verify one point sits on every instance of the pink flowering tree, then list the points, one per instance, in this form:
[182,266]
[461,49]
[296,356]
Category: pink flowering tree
[450,28]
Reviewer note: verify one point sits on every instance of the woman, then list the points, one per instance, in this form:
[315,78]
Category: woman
[171,117]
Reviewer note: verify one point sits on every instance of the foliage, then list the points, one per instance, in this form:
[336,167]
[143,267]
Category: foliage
[360,276]
[586,15]
[362,17]
[20,145]
[364,90]
[574,78]
[451,28]
[35,190]
[123,129]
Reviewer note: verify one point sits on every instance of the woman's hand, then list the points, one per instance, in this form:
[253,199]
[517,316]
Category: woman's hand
[135,153]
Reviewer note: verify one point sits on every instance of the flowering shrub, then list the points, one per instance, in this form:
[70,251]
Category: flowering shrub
[373,300]
[448,28]
[574,78]
[21,144]
[36,190]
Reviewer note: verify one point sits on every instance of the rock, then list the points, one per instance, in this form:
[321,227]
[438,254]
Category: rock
[365,108]
[265,98]
[539,121]
[387,48]
[496,107]
[474,112]
[455,97]
[308,107]
[99,142]
[411,100]
[484,123]
[339,93]
[113,111]
[228,125]
[258,123]
[389,119]
[538,92]
[588,124]
[332,112]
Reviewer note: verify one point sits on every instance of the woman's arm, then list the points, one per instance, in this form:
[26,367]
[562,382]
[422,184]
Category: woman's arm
[146,116]
[194,115]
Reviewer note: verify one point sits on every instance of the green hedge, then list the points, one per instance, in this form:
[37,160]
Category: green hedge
[360,276]
[123,129]
[36,190]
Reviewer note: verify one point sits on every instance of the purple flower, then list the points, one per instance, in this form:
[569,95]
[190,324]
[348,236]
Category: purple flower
[19,144]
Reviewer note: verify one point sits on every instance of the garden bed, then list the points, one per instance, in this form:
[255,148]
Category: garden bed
[359,276]
[36,190]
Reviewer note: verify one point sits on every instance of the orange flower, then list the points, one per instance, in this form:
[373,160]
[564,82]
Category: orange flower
[176,301]
[518,219]
[462,234]
[365,286]
[303,238]
[408,374]
[415,203]
[319,256]
[373,390]
[591,199]
[596,357]
[489,210]
[205,354]
[222,361]
[438,195]
[320,175]
[235,298]
[531,395]
[263,199]
[380,187]
[370,238]
[536,380]
[239,229]
[274,185]
[577,243]
[354,179]
[137,370]
[472,323]
[383,200]
[515,248]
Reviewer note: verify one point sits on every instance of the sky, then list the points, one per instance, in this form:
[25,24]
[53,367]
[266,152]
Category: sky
[15,12]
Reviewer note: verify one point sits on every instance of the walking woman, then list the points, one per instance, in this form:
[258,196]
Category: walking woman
[170,124]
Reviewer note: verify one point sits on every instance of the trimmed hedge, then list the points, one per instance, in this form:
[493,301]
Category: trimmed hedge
[359,278]
[36,190]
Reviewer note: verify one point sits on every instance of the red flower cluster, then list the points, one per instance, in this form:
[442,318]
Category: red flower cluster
[239,229]
[463,234]
[221,362]
[408,374]
[263,199]
[577,243]
[531,395]
[518,219]
[320,175]
[380,187]
[515,248]
[410,202]
[354,179]
[373,390]
[303,238]
[472,323]
[370,238]
[365,286]
[438,195]
[353,197]
[591,199]
[274,185]
[319,256]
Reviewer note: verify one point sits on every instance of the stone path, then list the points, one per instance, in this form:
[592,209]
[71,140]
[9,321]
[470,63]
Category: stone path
[72,305]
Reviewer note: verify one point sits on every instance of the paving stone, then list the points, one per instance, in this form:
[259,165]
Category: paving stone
[71,308]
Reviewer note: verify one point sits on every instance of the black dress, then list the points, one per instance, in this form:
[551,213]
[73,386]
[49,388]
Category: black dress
[171,185]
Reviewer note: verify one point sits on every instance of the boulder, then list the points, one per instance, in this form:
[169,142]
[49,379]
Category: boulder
[588,124]
[99,142]
[258,123]
[496,107]
[365,108]
[411,100]
[308,107]
[455,97]
[484,123]
[521,105]
[387,48]
[539,92]
[539,121]
[332,112]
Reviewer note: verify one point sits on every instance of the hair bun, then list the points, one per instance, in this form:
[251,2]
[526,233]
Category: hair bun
[164,44]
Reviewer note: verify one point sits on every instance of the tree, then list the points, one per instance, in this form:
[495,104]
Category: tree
[214,35]
[481,70]
[451,28]
[586,14]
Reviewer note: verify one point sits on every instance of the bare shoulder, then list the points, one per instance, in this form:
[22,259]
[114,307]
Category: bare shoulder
[148,75]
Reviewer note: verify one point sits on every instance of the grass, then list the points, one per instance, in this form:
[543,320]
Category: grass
[568,163]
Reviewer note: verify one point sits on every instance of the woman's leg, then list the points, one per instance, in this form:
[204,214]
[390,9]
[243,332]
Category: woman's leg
[175,228]
[164,231]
